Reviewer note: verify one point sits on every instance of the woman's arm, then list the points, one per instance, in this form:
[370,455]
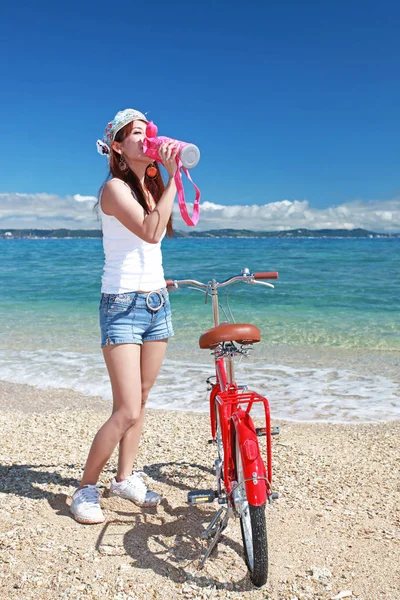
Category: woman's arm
[117,201]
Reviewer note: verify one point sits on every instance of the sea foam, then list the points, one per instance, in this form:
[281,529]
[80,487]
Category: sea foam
[298,394]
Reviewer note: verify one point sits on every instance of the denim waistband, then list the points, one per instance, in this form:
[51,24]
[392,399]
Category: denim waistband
[162,291]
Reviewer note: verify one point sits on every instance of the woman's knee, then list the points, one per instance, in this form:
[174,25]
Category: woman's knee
[126,418]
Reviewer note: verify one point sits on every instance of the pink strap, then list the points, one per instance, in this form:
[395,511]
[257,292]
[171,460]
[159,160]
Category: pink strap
[181,197]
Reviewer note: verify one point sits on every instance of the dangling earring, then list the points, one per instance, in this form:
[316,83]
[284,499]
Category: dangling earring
[122,164]
[151,171]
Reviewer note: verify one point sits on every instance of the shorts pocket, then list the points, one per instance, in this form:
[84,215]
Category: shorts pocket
[120,302]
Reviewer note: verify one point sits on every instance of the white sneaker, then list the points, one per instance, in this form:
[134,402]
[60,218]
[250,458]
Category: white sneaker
[85,505]
[134,488]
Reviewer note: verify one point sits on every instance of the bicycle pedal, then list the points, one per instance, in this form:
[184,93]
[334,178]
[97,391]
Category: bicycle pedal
[262,431]
[273,496]
[212,441]
[201,496]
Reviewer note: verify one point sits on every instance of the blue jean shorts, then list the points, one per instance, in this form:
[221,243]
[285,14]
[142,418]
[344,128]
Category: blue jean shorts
[134,318]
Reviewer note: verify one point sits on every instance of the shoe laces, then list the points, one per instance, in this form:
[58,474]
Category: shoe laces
[136,482]
[90,494]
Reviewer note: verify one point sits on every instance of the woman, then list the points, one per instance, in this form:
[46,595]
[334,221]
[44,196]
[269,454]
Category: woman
[135,316]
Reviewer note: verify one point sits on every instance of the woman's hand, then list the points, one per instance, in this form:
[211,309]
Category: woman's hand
[168,152]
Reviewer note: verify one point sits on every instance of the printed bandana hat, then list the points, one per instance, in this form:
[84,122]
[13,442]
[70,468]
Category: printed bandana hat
[122,118]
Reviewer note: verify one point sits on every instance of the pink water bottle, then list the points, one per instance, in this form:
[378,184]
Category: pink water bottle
[189,154]
[187,158]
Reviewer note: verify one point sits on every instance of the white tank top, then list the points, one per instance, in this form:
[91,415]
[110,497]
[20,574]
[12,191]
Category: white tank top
[131,264]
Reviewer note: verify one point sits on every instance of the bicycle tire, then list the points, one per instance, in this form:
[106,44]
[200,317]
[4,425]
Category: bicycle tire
[253,528]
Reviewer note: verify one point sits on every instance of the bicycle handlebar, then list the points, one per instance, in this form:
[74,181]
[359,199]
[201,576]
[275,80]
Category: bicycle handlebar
[245,276]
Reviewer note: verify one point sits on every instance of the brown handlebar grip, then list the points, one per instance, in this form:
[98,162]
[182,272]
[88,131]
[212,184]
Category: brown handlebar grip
[169,282]
[266,275]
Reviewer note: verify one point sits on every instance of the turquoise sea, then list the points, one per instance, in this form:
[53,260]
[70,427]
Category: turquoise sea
[331,327]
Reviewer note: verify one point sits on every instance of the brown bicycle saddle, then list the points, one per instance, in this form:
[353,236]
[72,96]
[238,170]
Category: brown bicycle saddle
[243,333]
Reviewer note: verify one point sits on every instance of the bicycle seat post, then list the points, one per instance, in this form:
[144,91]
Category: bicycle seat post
[230,370]
[229,359]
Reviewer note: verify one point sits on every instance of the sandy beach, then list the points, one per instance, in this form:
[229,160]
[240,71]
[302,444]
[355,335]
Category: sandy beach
[334,532]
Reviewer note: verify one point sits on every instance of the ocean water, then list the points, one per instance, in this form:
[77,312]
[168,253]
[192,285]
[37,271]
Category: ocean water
[331,327]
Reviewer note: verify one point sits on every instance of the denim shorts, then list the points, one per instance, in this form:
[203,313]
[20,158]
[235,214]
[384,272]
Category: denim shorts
[134,318]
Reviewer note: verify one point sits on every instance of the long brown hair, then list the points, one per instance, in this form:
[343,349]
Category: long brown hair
[155,185]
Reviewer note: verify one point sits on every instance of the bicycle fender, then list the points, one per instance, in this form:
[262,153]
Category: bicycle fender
[214,391]
[253,464]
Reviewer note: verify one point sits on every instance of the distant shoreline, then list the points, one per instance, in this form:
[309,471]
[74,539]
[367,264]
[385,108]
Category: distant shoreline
[210,234]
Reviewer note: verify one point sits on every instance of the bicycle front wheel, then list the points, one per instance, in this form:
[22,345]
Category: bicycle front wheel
[253,527]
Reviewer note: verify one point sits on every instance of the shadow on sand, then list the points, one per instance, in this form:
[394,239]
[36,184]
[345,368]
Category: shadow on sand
[172,546]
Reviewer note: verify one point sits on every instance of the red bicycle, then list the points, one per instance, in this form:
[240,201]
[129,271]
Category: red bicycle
[243,481]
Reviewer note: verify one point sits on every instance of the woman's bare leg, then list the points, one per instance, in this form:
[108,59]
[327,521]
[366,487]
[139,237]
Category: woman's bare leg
[152,356]
[123,362]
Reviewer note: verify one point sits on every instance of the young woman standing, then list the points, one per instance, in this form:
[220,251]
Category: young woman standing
[135,315]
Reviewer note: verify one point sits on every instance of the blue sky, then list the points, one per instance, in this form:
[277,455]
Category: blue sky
[289,101]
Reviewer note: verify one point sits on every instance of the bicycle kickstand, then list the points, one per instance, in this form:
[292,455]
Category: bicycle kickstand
[214,531]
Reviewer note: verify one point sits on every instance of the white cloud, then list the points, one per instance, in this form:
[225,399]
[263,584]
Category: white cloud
[80,198]
[377,215]
[48,211]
